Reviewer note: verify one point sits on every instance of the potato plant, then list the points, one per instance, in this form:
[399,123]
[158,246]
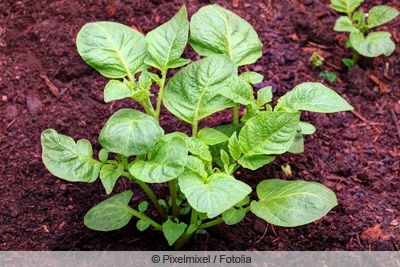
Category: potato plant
[358,24]
[199,169]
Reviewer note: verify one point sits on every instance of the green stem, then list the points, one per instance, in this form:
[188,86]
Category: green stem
[160,93]
[235,114]
[152,197]
[149,193]
[355,56]
[195,128]
[174,197]
[186,235]
[194,217]
[211,223]
[143,217]
[148,107]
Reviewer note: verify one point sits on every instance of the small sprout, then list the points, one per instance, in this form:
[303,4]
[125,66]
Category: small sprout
[287,170]
[317,60]
[330,76]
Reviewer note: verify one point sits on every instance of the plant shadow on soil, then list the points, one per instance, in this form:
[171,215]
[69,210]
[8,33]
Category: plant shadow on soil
[45,84]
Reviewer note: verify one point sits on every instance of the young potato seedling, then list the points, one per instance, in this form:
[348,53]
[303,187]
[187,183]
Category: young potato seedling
[198,169]
[358,24]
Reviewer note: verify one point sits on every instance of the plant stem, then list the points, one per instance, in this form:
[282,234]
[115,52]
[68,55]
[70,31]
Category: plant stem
[355,56]
[211,223]
[160,94]
[174,197]
[186,235]
[194,217]
[143,217]
[195,128]
[235,114]
[148,192]
[148,107]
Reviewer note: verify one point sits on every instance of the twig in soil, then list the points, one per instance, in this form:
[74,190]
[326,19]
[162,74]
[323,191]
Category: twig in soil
[262,237]
[358,115]
[53,89]
[278,237]
[396,122]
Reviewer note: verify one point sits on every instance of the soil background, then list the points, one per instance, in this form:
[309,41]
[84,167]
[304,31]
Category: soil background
[45,84]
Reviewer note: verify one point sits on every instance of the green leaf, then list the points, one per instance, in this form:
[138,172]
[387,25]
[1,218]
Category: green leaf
[344,24]
[213,195]
[264,96]
[111,214]
[142,207]
[196,165]
[254,162]
[348,62]
[210,136]
[345,6]
[234,147]
[166,161]
[233,216]
[379,15]
[314,97]
[142,225]
[198,148]
[116,90]
[373,45]
[130,132]
[103,155]
[167,42]
[330,76]
[215,30]
[307,128]
[269,133]
[252,77]
[239,91]
[297,146]
[109,175]
[292,203]
[172,231]
[69,160]
[225,160]
[191,94]
[113,49]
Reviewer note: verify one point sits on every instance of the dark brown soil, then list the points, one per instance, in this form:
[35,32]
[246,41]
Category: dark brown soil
[45,84]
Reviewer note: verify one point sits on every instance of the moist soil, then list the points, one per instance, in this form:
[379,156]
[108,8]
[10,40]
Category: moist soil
[45,84]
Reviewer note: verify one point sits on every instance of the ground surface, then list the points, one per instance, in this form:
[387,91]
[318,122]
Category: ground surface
[45,84]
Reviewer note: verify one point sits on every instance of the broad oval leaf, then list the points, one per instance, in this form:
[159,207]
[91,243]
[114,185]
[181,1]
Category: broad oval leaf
[166,43]
[212,195]
[109,175]
[113,49]
[345,6]
[373,45]
[162,165]
[379,15]
[233,215]
[172,231]
[192,93]
[269,133]
[344,24]
[292,203]
[69,160]
[254,162]
[215,30]
[313,97]
[210,136]
[116,90]
[111,214]
[130,132]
